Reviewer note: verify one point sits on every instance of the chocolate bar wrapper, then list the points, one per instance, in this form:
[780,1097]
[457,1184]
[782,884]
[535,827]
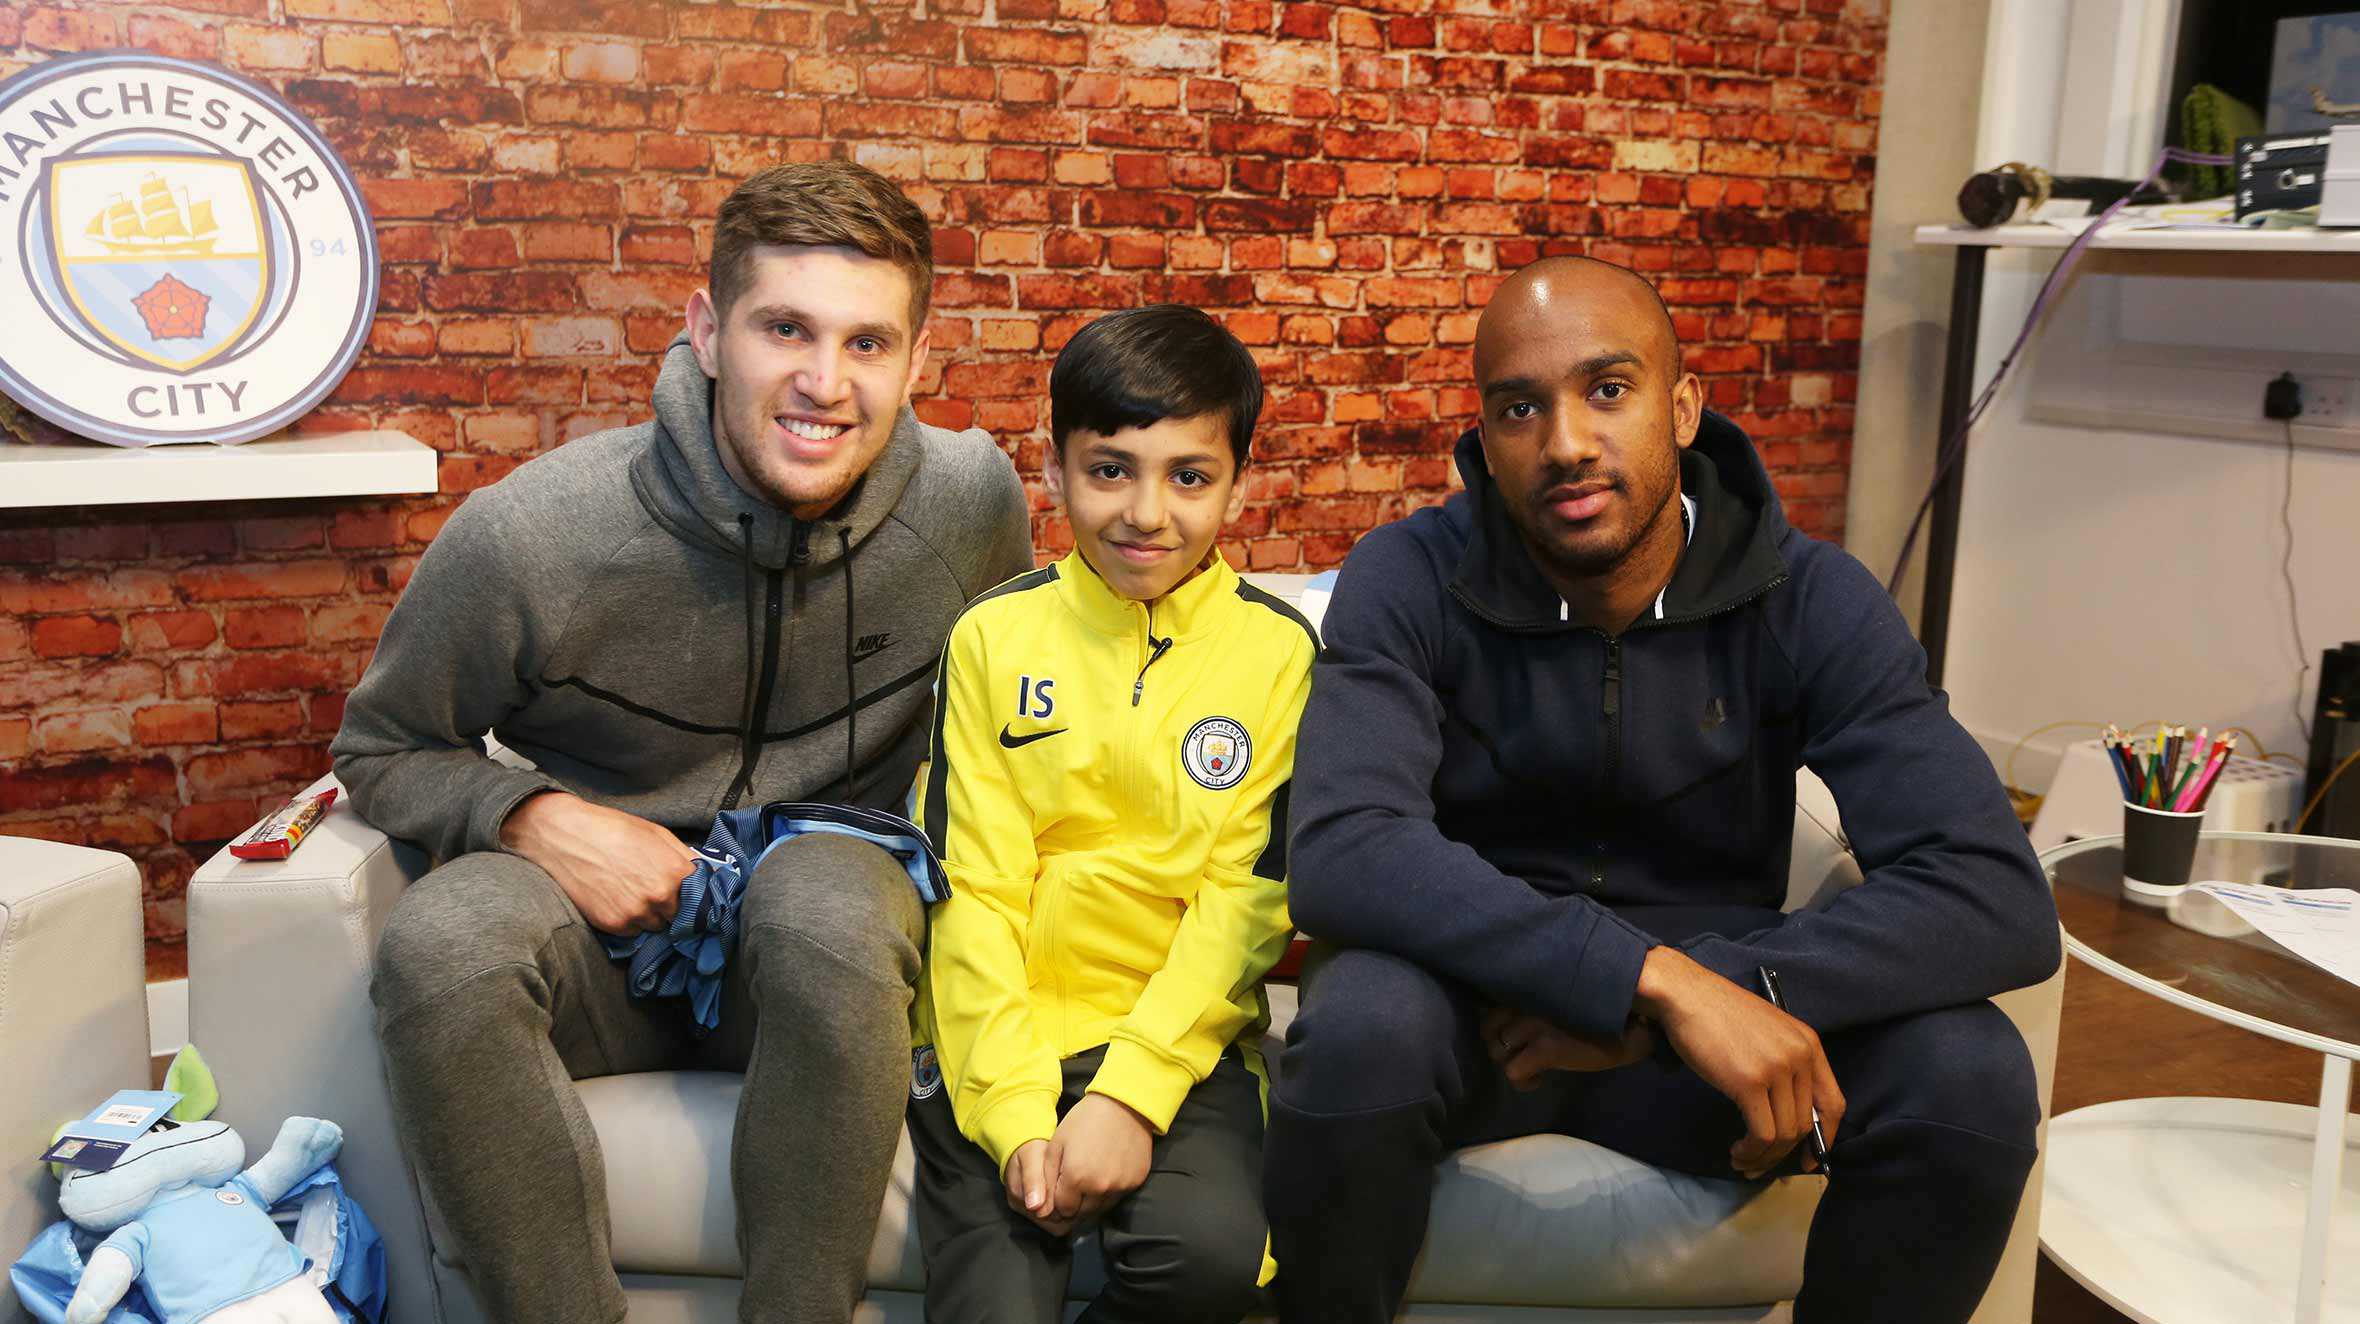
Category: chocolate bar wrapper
[276,837]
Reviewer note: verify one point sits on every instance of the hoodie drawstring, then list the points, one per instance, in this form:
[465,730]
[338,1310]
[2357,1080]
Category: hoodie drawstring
[851,687]
[748,741]
[751,740]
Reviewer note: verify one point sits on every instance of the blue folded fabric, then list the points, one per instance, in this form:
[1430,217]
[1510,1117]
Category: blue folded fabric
[686,959]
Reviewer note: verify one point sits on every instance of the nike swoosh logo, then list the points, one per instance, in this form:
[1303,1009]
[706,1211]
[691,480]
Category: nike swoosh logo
[1008,741]
[864,654]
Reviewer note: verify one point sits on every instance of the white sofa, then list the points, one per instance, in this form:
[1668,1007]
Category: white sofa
[1541,1228]
[73,1015]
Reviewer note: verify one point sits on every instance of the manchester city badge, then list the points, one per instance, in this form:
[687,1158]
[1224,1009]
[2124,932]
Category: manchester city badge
[1215,752]
[201,258]
[925,1073]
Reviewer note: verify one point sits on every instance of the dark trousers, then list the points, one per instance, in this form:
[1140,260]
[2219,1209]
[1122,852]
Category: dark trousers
[1186,1246]
[1384,1074]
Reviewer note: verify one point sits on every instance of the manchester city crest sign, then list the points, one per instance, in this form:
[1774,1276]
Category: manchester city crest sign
[182,256]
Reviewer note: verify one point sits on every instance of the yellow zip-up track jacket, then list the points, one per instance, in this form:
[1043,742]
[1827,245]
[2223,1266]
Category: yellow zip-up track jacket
[1108,791]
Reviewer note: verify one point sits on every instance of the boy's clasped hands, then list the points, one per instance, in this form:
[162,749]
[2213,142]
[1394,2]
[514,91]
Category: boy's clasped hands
[1100,1153]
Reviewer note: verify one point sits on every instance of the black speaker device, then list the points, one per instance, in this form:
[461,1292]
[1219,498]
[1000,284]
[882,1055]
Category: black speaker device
[2335,737]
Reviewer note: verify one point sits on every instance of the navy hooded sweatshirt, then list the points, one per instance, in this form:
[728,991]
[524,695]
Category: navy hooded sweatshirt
[1526,805]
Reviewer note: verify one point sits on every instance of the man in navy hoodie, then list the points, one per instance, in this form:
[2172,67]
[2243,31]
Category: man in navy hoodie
[1543,809]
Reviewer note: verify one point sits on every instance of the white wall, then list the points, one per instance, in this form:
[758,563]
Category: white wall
[2066,566]
[1925,149]
[2131,576]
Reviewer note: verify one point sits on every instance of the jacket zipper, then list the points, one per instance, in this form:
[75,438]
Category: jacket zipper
[1053,900]
[1610,699]
[1155,650]
[1725,609]
[1610,715]
[1134,778]
[773,613]
[1610,688]
[1611,706]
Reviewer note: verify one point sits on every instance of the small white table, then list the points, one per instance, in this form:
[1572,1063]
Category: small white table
[2211,1211]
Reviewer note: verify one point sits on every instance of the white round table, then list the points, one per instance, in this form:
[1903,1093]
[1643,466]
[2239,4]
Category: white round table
[2211,1211]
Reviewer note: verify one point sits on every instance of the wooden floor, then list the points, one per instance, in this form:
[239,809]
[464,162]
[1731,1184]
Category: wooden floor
[2118,1043]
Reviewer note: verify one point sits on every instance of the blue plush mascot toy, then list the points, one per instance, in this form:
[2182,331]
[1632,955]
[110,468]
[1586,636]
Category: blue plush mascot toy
[192,1230]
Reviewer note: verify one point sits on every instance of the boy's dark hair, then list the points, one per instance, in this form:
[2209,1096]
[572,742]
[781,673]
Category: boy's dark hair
[1143,365]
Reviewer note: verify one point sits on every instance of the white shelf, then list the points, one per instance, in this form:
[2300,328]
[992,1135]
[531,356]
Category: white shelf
[2287,242]
[339,464]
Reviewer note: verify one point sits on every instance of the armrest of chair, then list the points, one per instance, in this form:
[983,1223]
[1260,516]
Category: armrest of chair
[1820,863]
[73,1015]
[2036,1012]
[279,956]
[1822,866]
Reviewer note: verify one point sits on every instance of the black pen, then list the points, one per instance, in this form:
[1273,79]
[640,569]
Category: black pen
[1818,1138]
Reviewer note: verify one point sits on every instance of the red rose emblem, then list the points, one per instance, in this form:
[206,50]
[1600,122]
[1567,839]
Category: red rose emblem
[172,309]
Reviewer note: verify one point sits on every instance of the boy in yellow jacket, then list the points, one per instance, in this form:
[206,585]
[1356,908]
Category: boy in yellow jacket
[1113,740]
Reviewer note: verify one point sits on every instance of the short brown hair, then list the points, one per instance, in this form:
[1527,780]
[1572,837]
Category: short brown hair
[823,203]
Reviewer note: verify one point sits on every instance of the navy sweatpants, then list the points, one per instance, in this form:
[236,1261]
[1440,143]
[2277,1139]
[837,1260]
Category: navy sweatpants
[1384,1075]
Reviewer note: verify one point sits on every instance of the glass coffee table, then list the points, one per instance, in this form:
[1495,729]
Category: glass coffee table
[2180,1211]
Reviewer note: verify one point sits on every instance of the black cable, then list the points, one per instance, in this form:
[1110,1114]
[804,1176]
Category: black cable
[1946,458]
[2294,611]
[1953,447]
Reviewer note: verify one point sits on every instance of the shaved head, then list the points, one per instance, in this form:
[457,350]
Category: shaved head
[1585,412]
[1528,297]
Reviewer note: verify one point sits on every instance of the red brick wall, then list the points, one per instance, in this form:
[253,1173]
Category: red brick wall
[1345,184]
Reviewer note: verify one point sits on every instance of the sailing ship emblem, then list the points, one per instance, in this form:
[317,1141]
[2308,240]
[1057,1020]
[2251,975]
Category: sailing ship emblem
[163,222]
[163,258]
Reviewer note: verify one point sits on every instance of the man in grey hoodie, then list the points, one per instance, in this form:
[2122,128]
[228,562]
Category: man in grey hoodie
[740,601]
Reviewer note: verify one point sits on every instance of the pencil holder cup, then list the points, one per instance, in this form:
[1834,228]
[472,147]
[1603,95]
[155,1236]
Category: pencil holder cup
[2158,848]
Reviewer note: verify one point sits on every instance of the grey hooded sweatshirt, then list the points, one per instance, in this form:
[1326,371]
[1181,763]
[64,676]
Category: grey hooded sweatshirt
[655,639]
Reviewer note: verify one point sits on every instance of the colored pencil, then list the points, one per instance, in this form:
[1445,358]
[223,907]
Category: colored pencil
[2195,769]
[2180,785]
[2169,769]
[2202,790]
[2114,760]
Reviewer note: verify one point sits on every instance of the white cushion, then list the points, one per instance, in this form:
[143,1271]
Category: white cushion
[1550,1220]
[1543,1220]
[666,1137]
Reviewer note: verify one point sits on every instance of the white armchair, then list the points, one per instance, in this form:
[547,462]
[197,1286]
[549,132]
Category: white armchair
[73,1015]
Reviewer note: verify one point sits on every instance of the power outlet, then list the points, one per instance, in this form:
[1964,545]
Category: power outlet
[2327,402]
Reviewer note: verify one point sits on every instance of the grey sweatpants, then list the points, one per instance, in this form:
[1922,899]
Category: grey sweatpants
[1185,1248]
[493,996]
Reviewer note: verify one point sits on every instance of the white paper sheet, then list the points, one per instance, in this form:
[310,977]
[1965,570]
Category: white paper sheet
[2319,924]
